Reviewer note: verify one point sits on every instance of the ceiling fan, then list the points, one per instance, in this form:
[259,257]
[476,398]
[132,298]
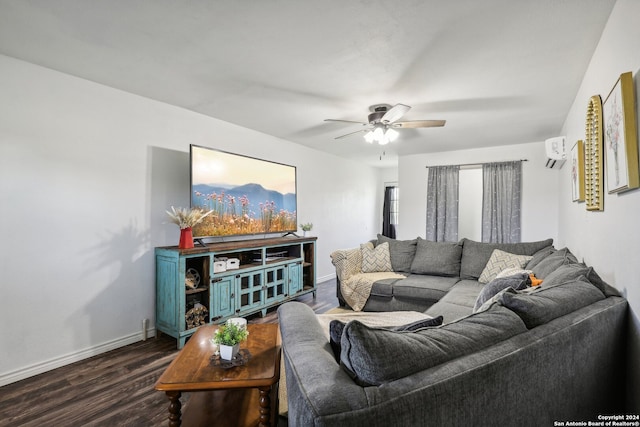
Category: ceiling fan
[383,120]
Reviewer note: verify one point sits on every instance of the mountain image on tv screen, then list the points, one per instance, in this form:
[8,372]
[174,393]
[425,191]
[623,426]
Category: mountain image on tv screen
[246,195]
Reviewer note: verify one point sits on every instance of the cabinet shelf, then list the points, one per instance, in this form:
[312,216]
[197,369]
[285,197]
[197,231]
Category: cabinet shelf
[195,291]
[271,271]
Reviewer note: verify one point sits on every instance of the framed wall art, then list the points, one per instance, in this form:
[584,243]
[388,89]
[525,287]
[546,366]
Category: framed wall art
[593,156]
[620,138]
[577,172]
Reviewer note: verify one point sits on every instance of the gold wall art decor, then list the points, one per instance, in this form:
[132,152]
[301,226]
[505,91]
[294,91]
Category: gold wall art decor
[577,172]
[620,140]
[593,156]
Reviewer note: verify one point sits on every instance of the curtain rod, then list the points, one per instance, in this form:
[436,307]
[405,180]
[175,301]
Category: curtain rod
[479,164]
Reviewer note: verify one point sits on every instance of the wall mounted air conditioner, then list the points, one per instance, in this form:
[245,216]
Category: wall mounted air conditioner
[556,152]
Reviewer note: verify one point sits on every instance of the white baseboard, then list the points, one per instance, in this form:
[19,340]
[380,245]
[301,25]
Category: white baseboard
[57,362]
[326,278]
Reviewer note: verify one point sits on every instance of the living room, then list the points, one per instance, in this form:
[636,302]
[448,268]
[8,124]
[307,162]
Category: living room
[88,172]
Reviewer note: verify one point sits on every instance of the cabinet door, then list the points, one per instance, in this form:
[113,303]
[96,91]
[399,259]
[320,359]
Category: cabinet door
[250,291]
[168,295]
[275,283]
[295,278]
[224,301]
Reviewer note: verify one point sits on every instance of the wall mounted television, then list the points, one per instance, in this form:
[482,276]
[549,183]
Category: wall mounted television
[248,196]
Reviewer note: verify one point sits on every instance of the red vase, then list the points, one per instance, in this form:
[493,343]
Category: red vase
[186,238]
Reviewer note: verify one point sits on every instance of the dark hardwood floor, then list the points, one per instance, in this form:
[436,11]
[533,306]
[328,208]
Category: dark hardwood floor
[114,388]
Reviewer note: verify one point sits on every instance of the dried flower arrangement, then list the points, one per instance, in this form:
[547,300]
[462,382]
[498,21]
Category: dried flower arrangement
[187,218]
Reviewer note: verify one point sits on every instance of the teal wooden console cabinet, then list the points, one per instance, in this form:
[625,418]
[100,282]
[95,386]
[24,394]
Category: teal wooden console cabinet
[229,279]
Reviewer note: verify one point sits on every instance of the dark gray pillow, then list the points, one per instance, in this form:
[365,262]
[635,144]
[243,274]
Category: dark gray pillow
[552,262]
[419,324]
[546,304]
[401,252]
[437,258]
[516,282]
[336,328]
[475,255]
[572,271]
[539,256]
[373,356]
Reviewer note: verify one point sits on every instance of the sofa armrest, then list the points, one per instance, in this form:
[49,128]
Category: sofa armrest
[316,384]
[347,262]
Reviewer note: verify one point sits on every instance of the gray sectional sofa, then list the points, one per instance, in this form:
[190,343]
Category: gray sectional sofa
[524,357]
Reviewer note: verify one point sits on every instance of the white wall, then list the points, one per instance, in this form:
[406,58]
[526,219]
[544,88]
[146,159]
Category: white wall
[539,189]
[470,203]
[86,174]
[609,240]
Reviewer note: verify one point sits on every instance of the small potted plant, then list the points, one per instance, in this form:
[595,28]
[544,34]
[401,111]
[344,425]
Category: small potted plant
[228,337]
[306,227]
[186,219]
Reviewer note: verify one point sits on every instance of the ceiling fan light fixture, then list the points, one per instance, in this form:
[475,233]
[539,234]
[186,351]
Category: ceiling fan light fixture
[378,133]
[391,134]
[369,137]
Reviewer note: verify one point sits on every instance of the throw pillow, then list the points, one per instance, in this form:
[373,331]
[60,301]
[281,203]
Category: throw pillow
[500,260]
[335,335]
[375,259]
[401,252]
[419,324]
[539,256]
[437,258]
[546,304]
[551,262]
[373,356]
[511,271]
[476,254]
[516,282]
[336,328]
[571,271]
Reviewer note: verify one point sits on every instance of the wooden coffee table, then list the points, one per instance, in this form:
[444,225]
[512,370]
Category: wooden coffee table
[239,396]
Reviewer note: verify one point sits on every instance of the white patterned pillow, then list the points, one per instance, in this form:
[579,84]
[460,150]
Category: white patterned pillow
[512,271]
[347,262]
[375,259]
[501,260]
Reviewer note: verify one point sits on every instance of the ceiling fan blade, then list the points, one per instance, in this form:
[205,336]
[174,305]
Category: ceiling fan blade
[350,133]
[419,124]
[345,121]
[395,113]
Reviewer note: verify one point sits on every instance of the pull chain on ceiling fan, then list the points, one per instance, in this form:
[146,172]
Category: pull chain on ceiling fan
[383,122]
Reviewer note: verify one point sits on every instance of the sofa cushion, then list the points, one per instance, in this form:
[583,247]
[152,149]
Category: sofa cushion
[373,356]
[424,287]
[516,282]
[476,254]
[400,251]
[336,328]
[572,271]
[458,302]
[437,258]
[547,303]
[383,288]
[551,262]
[539,256]
[499,261]
[375,259]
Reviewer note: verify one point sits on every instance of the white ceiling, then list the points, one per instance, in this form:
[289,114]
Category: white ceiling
[499,71]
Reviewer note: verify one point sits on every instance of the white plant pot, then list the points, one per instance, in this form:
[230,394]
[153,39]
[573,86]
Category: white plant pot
[228,352]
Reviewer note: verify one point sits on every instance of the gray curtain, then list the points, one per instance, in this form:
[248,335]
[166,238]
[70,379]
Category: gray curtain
[390,212]
[501,202]
[442,204]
